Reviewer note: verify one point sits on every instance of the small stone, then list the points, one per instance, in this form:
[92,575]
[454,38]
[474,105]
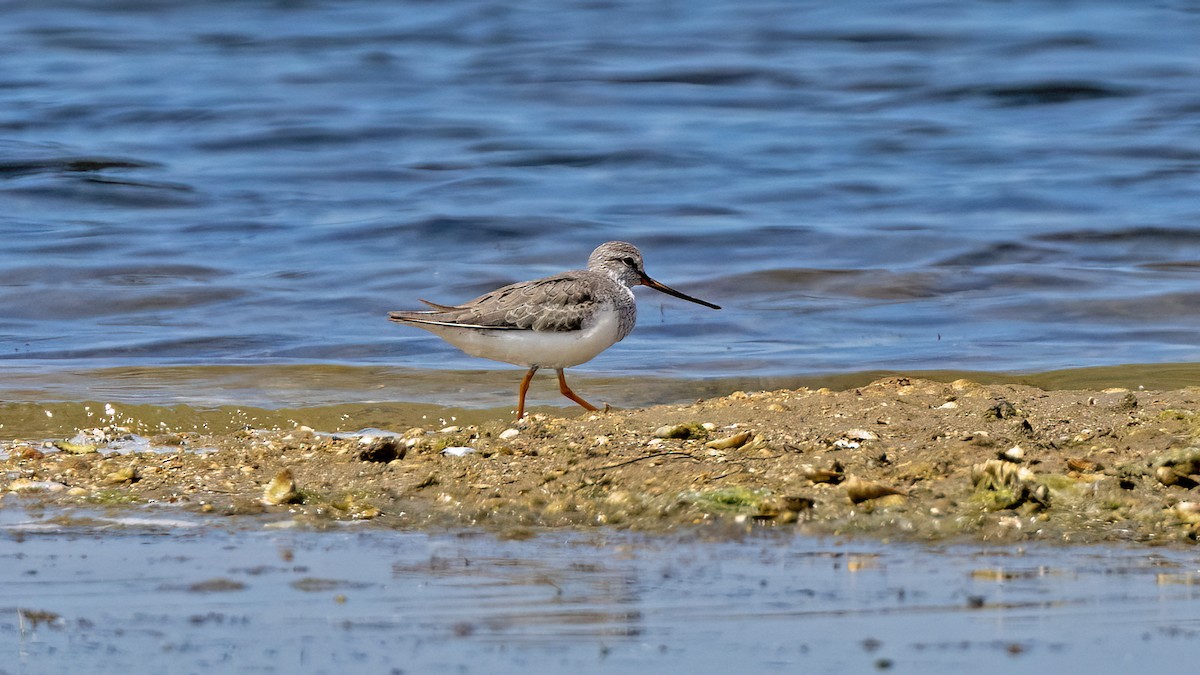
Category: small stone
[1171,478]
[860,491]
[1013,454]
[824,476]
[1002,410]
[861,435]
[1083,465]
[457,451]
[730,442]
[281,489]
[1127,402]
[26,485]
[948,405]
[126,475]
[681,431]
[27,452]
[449,430]
[1189,512]
[1185,461]
[509,434]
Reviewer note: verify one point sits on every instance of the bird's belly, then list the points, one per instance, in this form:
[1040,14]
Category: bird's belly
[545,349]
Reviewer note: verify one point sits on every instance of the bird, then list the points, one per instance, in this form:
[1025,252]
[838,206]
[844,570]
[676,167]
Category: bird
[556,322]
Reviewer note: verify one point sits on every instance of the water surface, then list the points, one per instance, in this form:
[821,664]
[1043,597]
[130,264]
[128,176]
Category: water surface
[1006,187]
[151,593]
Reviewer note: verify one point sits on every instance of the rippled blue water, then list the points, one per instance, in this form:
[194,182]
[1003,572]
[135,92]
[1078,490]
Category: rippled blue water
[860,185]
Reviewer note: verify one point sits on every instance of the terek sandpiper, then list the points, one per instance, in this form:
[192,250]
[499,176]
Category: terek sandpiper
[556,322]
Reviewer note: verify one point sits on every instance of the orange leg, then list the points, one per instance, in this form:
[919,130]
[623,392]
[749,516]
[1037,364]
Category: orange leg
[525,389]
[566,391]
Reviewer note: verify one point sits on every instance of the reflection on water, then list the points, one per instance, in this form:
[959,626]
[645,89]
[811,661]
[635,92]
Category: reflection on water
[152,594]
[982,186]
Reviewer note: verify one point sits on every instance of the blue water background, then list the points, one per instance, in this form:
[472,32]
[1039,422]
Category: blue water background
[909,185]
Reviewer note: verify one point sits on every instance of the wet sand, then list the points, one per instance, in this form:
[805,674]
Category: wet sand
[896,459]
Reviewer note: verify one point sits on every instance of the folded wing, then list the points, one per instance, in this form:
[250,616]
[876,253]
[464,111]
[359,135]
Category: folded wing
[559,303]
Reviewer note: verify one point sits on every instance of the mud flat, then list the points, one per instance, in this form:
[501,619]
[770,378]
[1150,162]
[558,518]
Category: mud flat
[899,458]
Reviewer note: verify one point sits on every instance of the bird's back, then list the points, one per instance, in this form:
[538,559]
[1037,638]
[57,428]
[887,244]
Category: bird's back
[561,303]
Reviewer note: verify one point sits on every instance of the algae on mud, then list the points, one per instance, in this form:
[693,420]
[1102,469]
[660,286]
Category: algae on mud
[897,458]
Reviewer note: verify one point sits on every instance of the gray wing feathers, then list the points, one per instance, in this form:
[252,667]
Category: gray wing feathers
[441,308]
[559,303]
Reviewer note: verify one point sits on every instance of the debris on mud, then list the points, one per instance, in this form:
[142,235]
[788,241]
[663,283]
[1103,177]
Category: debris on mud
[899,458]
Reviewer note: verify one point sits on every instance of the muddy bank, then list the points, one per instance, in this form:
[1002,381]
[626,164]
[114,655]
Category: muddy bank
[898,458]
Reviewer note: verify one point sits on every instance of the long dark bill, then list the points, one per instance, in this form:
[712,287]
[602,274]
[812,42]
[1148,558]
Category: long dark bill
[647,281]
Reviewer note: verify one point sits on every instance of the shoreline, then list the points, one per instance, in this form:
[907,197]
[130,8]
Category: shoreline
[899,458]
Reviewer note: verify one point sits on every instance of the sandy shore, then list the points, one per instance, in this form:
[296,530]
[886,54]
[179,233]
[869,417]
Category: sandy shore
[898,458]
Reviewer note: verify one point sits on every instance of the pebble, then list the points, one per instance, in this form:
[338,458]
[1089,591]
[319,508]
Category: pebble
[1189,512]
[678,431]
[861,435]
[1170,477]
[26,485]
[281,489]
[509,434]
[832,475]
[457,451]
[125,475]
[1083,465]
[449,430]
[859,490]
[730,442]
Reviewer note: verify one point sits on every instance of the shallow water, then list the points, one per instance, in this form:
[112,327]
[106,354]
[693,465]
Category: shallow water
[151,593]
[981,186]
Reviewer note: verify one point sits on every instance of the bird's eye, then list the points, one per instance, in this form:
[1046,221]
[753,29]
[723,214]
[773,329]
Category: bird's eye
[630,261]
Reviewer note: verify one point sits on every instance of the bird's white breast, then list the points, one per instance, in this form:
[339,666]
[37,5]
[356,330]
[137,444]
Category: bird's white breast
[545,349]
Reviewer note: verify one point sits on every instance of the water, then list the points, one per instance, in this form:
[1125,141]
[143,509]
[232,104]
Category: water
[155,594]
[981,186]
